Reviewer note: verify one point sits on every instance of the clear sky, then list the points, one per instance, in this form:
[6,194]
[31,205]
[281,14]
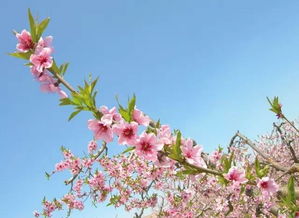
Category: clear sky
[204,67]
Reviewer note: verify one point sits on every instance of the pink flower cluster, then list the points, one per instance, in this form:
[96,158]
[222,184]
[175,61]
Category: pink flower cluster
[147,145]
[72,203]
[70,162]
[40,61]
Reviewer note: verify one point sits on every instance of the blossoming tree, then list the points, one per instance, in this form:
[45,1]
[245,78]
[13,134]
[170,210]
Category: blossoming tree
[159,169]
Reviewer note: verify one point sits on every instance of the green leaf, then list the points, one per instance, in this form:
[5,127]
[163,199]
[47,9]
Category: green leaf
[260,172]
[113,200]
[66,101]
[93,84]
[83,99]
[124,113]
[63,68]
[263,172]
[257,165]
[25,56]
[257,168]
[291,197]
[63,149]
[32,26]
[128,150]
[177,147]
[227,162]
[127,113]
[275,106]
[248,174]
[41,27]
[222,180]
[47,175]
[54,68]
[131,106]
[73,114]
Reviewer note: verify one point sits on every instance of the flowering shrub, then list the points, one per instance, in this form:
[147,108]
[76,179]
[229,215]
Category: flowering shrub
[160,169]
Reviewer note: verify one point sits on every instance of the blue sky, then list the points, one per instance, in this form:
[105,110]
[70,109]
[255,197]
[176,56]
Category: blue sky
[204,67]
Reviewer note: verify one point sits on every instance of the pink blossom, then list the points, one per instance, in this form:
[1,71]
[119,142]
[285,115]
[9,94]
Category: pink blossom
[78,186]
[113,111]
[36,213]
[107,119]
[78,205]
[25,41]
[72,203]
[87,162]
[67,154]
[191,153]
[267,186]
[75,165]
[101,130]
[236,175]
[62,94]
[92,146]
[48,86]
[215,156]
[61,166]
[44,43]
[42,59]
[43,76]
[164,133]
[140,118]
[148,146]
[127,133]
[51,86]
[97,181]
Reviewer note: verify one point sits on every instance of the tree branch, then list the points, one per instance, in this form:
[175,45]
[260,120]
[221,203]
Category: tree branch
[287,142]
[61,80]
[261,153]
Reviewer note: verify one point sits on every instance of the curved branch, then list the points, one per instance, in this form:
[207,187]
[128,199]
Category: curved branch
[261,153]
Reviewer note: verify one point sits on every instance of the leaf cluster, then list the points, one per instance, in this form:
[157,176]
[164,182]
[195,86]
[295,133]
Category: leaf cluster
[289,200]
[275,106]
[83,100]
[259,170]
[127,113]
[175,151]
[37,28]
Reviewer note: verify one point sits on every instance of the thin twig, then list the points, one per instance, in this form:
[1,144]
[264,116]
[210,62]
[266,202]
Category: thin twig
[200,169]
[291,123]
[103,148]
[64,82]
[287,142]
